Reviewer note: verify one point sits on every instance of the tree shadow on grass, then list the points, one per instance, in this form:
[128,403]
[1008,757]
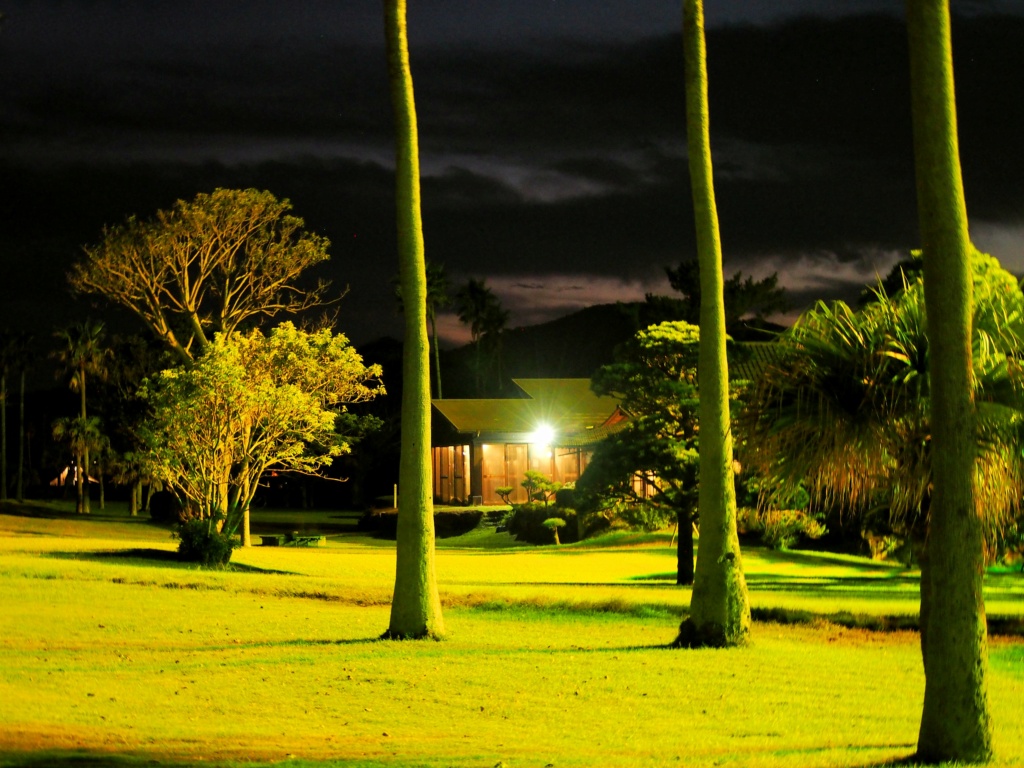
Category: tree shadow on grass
[147,557]
[814,557]
[81,759]
[909,761]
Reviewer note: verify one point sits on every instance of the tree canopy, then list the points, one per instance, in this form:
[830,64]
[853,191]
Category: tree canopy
[253,403]
[207,266]
[844,407]
[743,296]
[652,462]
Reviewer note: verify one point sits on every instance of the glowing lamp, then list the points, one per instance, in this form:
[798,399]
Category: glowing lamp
[543,435]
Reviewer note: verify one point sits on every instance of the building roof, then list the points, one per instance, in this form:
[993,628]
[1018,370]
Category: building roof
[750,359]
[567,406]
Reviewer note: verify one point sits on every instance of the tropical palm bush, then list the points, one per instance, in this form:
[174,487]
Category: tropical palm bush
[843,408]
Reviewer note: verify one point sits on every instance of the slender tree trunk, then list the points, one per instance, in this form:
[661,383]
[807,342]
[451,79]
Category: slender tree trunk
[479,367]
[21,440]
[245,491]
[684,549]
[134,496]
[84,489]
[79,475]
[719,609]
[955,721]
[416,606]
[103,491]
[3,435]
[437,354]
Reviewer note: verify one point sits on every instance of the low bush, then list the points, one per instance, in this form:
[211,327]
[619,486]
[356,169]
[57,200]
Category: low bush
[199,541]
[644,517]
[566,497]
[778,528]
[383,523]
[527,523]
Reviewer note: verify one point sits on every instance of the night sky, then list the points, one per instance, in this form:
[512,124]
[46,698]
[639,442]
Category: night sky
[552,139]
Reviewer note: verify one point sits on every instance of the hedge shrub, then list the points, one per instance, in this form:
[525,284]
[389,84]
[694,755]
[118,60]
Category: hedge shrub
[201,542]
[383,523]
[527,523]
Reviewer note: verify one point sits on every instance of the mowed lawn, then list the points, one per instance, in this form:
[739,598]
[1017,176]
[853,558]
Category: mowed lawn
[111,653]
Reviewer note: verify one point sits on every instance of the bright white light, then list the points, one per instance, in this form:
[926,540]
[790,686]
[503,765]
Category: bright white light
[543,435]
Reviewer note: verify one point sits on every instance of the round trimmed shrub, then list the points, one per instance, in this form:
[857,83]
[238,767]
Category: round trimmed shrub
[199,541]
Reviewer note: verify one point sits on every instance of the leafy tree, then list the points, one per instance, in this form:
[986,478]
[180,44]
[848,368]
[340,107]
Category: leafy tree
[553,524]
[653,460]
[478,307]
[719,609]
[538,487]
[252,403]
[416,606]
[207,266]
[743,297]
[847,407]
[438,297]
[83,355]
[902,272]
[955,721]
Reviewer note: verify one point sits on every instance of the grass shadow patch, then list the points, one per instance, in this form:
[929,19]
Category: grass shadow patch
[48,759]
[147,557]
[999,626]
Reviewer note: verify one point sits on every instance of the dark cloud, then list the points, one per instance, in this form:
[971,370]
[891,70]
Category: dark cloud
[552,137]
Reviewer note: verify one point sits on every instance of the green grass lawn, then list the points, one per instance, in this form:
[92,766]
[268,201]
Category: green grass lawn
[112,653]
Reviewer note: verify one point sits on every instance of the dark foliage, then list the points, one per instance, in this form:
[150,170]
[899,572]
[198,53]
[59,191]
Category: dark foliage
[201,542]
[527,523]
[383,523]
[165,507]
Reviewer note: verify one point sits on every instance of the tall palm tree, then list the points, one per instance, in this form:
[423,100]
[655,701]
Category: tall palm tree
[80,434]
[719,608]
[82,355]
[416,605]
[848,408]
[955,721]
[478,307]
[6,351]
[438,297]
[22,361]
[14,356]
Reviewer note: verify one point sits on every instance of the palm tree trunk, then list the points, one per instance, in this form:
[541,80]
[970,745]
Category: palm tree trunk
[719,608]
[21,440]
[955,720]
[84,489]
[3,435]
[437,354]
[103,492]
[79,504]
[416,606]
[684,549]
